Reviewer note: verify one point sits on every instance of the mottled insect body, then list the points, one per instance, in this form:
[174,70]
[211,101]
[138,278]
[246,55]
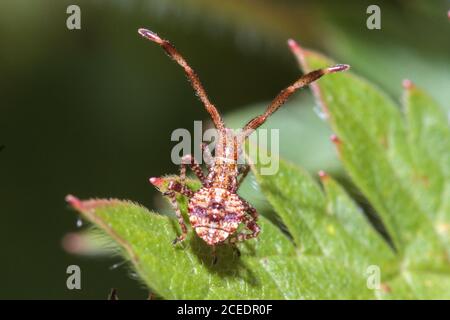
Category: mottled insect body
[215,214]
[216,210]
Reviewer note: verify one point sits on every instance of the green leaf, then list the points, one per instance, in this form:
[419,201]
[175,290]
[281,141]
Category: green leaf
[390,160]
[429,138]
[186,271]
[374,149]
[317,224]
[354,221]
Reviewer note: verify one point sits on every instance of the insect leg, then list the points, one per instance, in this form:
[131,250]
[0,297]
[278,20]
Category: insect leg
[254,229]
[250,224]
[189,160]
[173,200]
[244,170]
[180,188]
[173,186]
[250,210]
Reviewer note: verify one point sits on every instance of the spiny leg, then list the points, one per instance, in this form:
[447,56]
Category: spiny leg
[195,81]
[250,224]
[284,95]
[244,170]
[173,200]
[173,188]
[250,210]
[254,229]
[179,188]
[189,160]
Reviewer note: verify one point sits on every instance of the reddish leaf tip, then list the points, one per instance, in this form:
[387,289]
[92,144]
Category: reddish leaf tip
[323,175]
[294,46]
[448,14]
[156,181]
[73,201]
[407,84]
[335,139]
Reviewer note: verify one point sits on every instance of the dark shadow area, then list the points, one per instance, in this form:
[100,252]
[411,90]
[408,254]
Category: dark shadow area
[225,262]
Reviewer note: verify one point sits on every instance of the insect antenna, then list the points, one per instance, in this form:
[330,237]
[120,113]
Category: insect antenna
[195,81]
[284,95]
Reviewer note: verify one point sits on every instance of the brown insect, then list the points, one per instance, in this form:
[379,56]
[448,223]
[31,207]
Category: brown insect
[216,210]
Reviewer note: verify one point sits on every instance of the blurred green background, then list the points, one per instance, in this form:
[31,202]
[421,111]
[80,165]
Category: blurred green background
[90,111]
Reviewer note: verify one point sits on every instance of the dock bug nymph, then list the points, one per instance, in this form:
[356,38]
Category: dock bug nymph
[216,210]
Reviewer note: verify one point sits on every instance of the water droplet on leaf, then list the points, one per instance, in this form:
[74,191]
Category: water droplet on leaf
[319,112]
